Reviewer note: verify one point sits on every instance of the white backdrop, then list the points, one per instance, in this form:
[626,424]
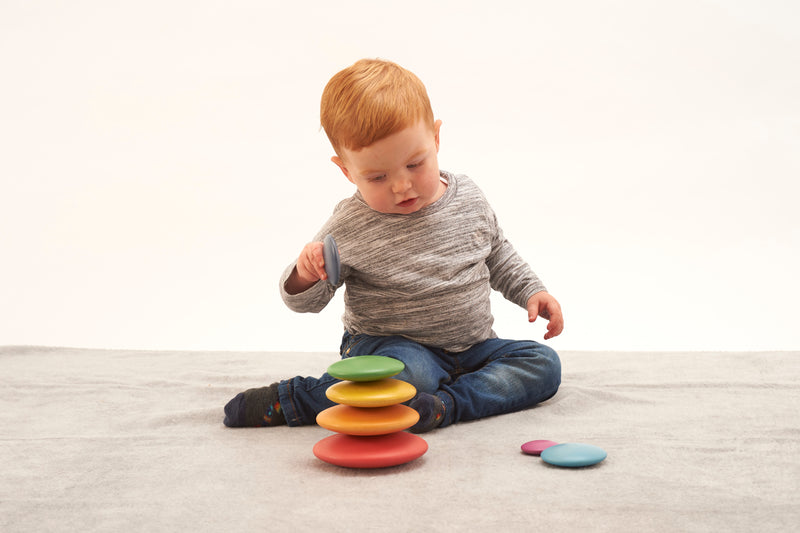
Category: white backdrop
[161,162]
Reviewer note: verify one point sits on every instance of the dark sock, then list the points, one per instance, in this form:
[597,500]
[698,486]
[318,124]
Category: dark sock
[255,408]
[431,411]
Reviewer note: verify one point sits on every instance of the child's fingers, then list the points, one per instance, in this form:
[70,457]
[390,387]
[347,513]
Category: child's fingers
[319,263]
[312,262]
[313,270]
[550,311]
[555,326]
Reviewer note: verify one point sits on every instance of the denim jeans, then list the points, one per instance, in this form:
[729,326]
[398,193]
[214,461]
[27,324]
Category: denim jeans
[490,378]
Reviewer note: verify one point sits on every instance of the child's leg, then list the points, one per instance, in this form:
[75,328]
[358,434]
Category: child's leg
[500,376]
[494,377]
[302,398]
[298,400]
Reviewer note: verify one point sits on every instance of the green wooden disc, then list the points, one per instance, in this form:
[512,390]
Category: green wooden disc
[366,368]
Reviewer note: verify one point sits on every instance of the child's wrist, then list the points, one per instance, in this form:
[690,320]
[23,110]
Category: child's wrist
[295,283]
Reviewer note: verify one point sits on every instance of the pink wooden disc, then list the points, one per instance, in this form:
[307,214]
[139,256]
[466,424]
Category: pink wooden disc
[536,447]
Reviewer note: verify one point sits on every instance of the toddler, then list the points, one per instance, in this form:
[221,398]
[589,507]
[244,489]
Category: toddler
[420,251]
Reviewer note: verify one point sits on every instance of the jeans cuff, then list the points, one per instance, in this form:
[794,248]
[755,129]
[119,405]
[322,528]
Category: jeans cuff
[285,397]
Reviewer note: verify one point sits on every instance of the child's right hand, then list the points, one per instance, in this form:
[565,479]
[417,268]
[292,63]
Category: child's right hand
[309,270]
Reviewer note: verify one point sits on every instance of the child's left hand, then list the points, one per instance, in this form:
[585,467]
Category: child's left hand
[542,304]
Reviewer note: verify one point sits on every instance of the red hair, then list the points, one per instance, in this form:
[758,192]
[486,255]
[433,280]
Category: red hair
[370,100]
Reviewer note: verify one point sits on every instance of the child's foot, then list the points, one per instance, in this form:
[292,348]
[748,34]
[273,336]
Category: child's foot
[255,408]
[431,411]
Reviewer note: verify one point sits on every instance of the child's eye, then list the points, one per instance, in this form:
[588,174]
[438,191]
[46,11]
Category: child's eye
[415,165]
[377,179]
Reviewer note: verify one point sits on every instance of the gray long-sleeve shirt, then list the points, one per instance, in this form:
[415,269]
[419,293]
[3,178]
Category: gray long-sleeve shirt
[426,276]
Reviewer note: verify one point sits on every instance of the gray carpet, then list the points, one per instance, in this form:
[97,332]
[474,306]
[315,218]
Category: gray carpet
[102,440]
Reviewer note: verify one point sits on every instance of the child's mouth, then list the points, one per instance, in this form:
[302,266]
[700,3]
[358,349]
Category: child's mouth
[408,203]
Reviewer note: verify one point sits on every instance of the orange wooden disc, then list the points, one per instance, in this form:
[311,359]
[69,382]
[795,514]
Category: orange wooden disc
[367,420]
[370,452]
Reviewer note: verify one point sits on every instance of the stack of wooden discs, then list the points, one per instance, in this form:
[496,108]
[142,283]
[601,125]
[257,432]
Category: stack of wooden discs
[370,419]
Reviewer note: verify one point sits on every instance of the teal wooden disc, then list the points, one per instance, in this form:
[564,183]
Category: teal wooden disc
[573,454]
[366,368]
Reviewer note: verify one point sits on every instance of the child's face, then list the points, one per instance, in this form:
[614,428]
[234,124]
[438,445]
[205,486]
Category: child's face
[399,173]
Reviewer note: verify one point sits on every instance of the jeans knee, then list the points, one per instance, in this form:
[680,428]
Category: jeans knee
[420,377]
[421,369]
[552,367]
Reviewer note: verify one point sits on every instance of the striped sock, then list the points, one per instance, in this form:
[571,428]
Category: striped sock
[255,408]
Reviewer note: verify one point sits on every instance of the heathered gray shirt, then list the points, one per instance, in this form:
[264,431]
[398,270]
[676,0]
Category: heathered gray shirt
[426,276]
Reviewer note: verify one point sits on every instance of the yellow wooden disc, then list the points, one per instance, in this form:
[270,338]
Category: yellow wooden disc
[371,393]
[367,420]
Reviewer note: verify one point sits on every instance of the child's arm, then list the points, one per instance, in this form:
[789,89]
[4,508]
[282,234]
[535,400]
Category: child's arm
[309,270]
[543,304]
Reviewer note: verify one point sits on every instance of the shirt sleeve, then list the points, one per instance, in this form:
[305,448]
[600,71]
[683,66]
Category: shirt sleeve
[312,300]
[509,273]
[315,298]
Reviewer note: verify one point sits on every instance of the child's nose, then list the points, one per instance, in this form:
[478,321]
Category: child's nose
[401,185]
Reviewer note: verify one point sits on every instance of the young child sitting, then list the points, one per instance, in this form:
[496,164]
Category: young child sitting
[420,250]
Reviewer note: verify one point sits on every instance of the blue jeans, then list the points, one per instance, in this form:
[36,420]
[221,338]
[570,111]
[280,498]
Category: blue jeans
[493,377]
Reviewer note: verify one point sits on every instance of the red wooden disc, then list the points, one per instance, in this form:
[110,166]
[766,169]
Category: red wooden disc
[370,451]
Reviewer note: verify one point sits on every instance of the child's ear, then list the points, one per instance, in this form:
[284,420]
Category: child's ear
[339,163]
[436,127]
